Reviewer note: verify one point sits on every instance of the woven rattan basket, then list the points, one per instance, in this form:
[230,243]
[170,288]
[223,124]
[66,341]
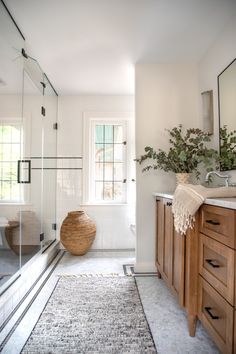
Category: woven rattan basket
[77,232]
[182,178]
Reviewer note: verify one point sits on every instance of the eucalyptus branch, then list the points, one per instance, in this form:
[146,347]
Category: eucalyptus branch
[186,152]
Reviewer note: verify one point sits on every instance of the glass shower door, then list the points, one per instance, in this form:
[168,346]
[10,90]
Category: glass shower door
[11,68]
[49,163]
[28,113]
[39,116]
[31,164]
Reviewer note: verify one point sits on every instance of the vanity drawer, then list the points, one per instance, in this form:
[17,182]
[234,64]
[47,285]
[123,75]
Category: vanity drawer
[218,223]
[216,315]
[216,265]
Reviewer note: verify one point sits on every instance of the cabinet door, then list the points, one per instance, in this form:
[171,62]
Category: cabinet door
[178,263]
[159,234]
[168,242]
[170,249]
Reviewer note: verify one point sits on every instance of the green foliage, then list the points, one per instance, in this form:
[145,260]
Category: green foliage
[186,152]
[227,157]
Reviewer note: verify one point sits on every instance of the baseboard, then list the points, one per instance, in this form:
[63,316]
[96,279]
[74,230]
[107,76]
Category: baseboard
[145,267]
[106,249]
[112,250]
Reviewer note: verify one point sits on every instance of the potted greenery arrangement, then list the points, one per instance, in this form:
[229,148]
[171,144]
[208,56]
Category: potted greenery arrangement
[186,152]
[227,158]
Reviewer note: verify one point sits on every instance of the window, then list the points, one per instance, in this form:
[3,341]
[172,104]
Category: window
[108,158]
[10,146]
[108,183]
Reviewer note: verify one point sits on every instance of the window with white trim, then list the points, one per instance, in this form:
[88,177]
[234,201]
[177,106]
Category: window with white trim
[10,147]
[108,161]
[108,158]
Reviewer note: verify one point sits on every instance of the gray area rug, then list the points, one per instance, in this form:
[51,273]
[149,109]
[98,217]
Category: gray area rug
[92,315]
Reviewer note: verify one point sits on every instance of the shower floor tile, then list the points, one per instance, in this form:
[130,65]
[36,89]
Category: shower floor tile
[10,263]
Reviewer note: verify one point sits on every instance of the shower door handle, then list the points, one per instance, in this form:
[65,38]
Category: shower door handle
[24,171]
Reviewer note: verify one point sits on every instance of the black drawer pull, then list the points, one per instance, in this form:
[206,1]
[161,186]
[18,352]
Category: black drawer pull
[214,265]
[208,310]
[168,203]
[212,222]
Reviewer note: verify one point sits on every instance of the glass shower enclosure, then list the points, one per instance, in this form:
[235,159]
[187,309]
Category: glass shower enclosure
[28,140]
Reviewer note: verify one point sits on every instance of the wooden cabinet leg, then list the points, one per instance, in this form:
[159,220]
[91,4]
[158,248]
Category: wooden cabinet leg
[158,274]
[192,322]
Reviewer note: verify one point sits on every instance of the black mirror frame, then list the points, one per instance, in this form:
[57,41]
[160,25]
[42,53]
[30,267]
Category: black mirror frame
[218,88]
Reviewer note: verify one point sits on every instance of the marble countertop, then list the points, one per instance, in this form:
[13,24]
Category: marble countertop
[168,195]
[229,203]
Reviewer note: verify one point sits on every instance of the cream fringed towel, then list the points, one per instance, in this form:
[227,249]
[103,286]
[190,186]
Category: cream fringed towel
[187,200]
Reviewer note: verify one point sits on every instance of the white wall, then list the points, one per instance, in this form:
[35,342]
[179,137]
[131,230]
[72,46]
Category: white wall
[166,95]
[219,55]
[113,222]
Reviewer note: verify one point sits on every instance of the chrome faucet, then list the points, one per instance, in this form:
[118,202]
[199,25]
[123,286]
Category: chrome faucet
[227,177]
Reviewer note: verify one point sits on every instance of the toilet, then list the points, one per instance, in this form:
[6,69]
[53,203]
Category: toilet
[6,237]
[3,225]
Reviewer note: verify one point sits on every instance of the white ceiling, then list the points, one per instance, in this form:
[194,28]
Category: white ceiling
[91,46]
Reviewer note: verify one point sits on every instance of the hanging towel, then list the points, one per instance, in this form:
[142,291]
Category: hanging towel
[187,200]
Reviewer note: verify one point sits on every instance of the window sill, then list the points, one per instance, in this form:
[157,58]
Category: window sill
[14,204]
[103,204]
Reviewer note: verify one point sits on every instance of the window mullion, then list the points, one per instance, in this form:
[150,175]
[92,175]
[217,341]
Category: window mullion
[11,169]
[103,166]
[113,165]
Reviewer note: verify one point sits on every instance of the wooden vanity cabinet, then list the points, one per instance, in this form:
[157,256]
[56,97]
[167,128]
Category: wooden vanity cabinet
[177,260]
[200,269]
[170,249]
[216,292]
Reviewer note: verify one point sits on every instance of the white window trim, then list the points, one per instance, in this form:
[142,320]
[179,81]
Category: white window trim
[89,119]
[16,122]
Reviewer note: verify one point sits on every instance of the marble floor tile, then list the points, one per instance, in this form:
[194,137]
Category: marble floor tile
[166,320]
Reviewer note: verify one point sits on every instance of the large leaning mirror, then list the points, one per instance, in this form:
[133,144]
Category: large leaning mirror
[227,116]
